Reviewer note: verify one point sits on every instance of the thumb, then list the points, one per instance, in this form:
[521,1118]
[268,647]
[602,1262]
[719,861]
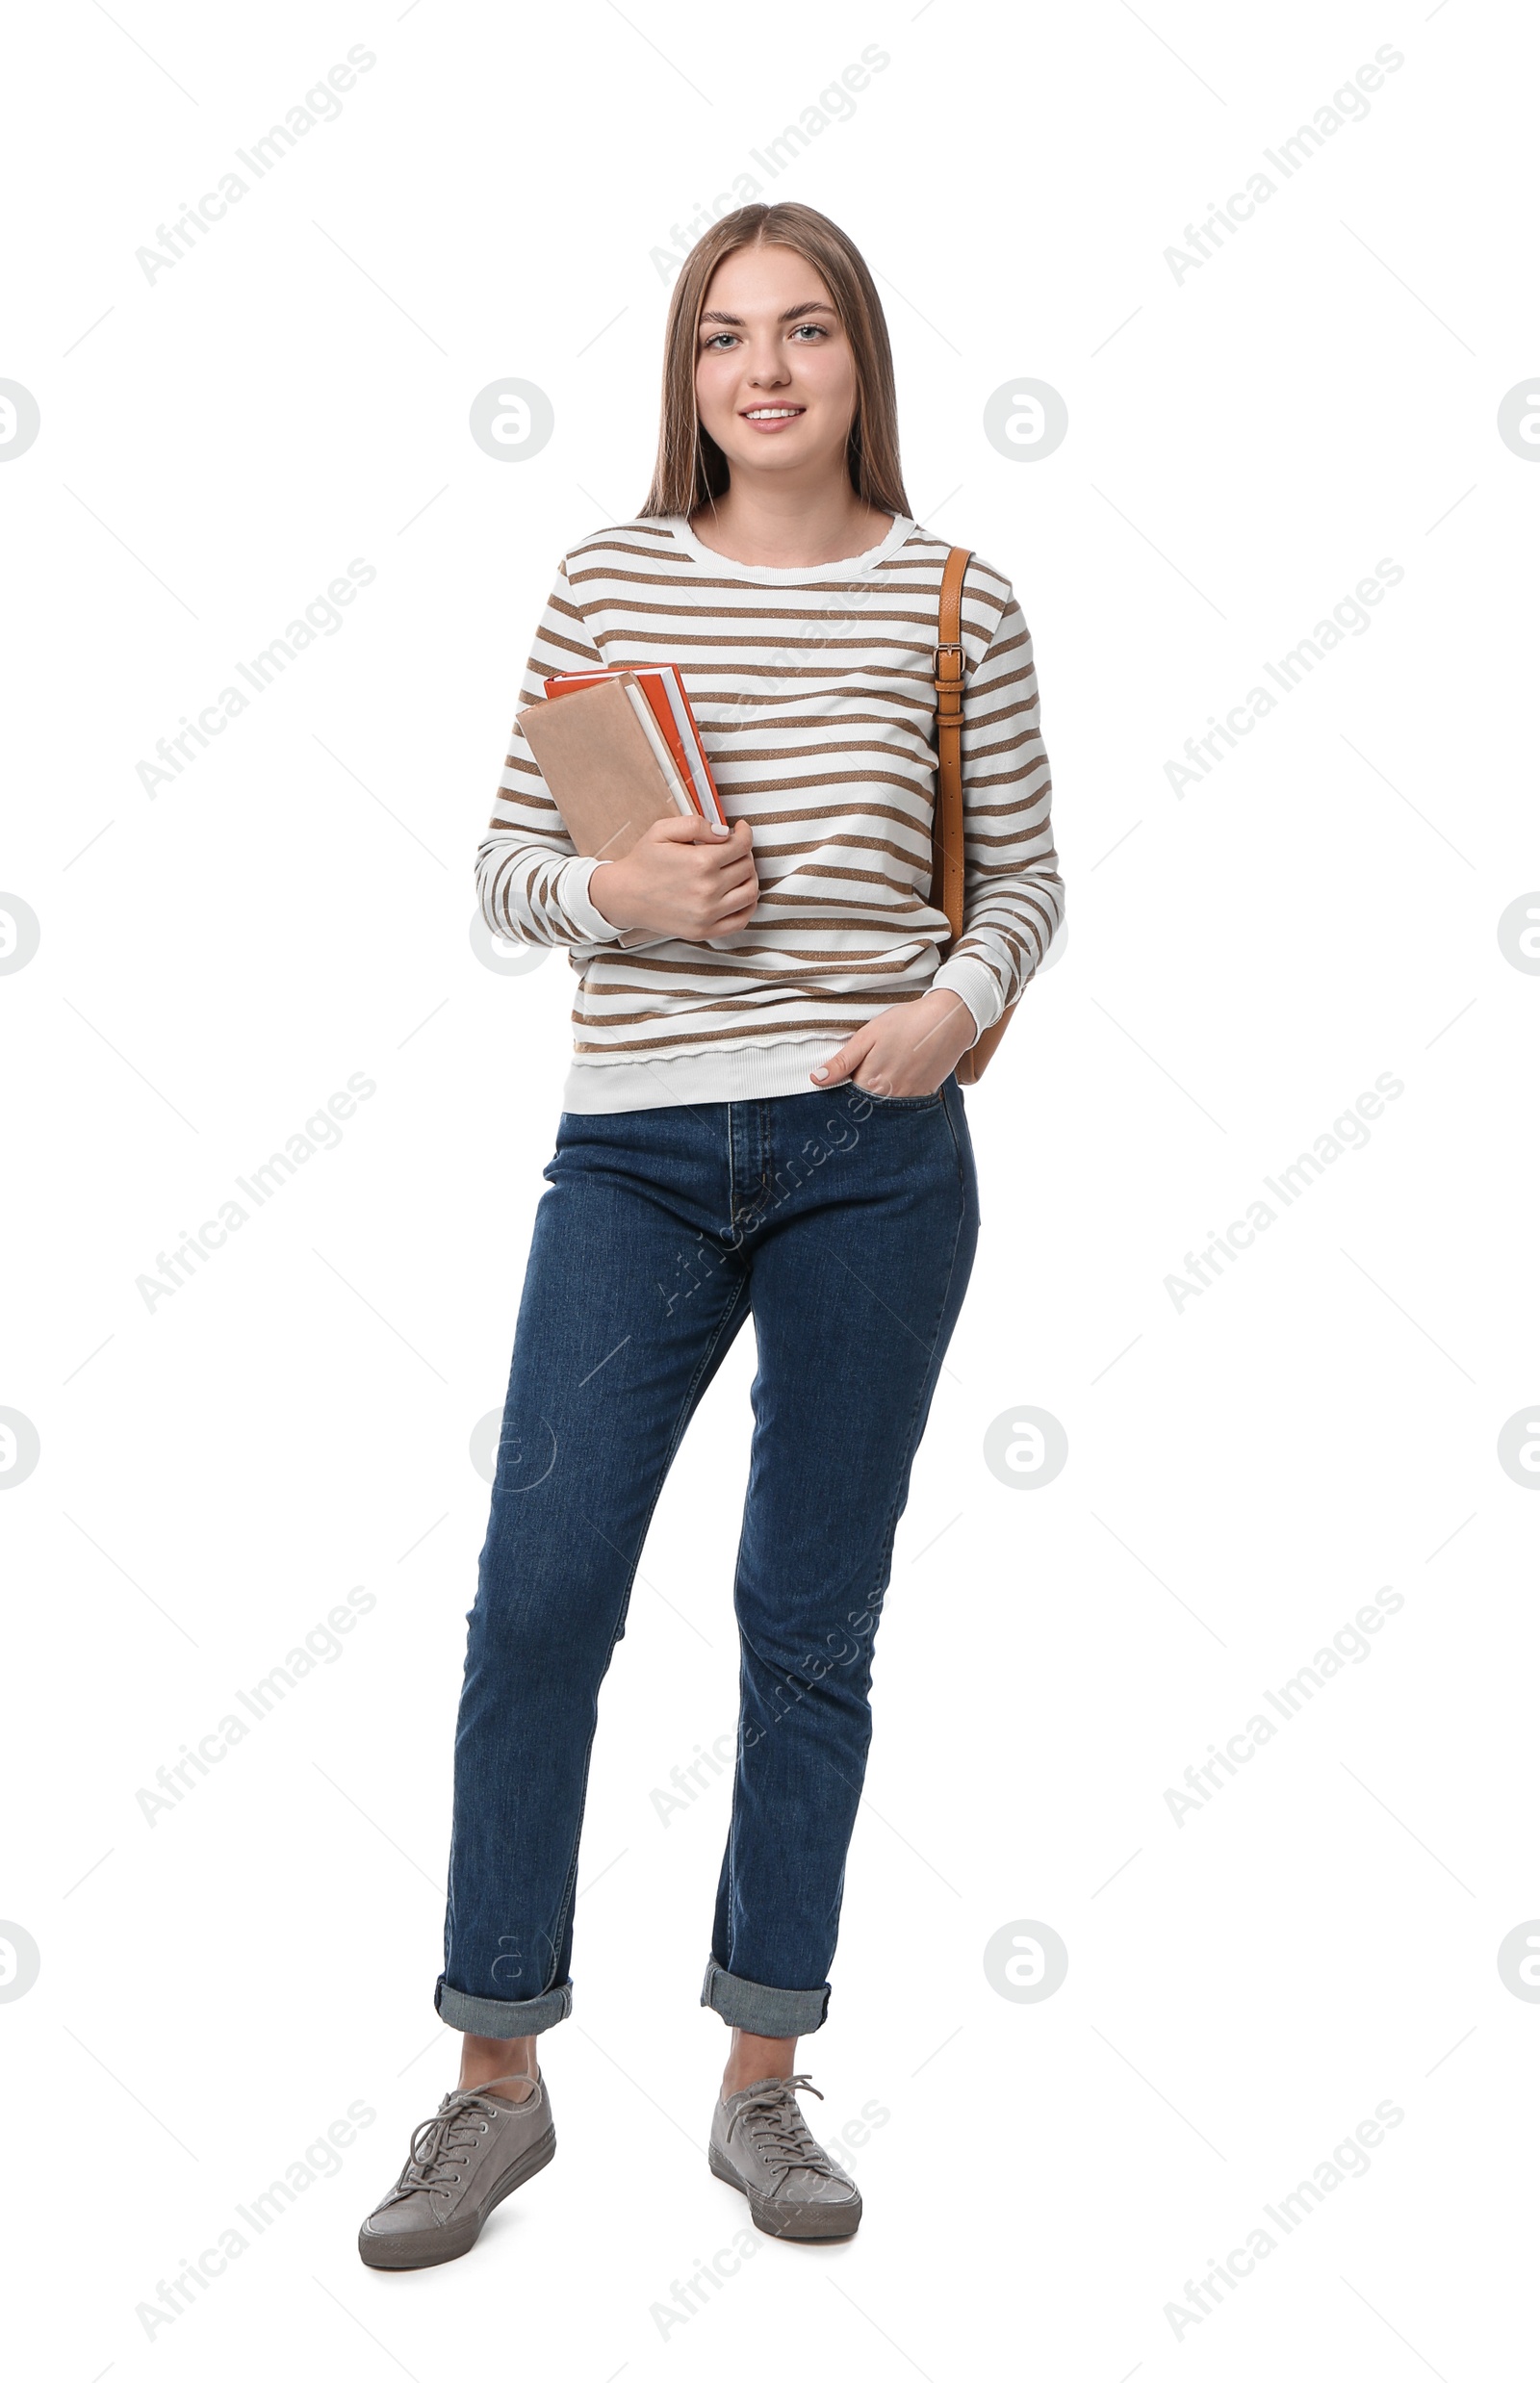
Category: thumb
[683,829]
[845,1061]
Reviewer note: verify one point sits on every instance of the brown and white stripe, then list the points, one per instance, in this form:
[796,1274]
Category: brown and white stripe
[813,694]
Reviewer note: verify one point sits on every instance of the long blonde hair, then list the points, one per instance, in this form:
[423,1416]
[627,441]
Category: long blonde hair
[691,468]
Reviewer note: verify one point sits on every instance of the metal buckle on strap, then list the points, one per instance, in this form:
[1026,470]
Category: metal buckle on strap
[948,677]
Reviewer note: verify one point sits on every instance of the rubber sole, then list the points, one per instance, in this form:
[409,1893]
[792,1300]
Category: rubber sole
[802,2222]
[433,2245]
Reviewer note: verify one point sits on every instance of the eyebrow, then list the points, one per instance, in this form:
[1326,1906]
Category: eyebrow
[809,306]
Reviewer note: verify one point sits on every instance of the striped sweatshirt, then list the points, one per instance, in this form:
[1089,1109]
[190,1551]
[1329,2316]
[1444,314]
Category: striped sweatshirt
[813,692]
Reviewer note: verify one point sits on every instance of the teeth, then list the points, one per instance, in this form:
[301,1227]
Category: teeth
[773,413]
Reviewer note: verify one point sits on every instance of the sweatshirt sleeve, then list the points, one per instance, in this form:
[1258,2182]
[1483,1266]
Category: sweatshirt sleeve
[533,886]
[1013,897]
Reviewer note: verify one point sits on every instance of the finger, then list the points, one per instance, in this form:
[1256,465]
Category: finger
[690,830]
[718,930]
[846,1059]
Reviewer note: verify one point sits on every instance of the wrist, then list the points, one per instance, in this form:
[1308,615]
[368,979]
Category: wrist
[953,1012]
[606,891]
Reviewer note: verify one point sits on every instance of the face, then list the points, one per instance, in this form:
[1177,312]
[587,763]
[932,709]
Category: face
[775,374]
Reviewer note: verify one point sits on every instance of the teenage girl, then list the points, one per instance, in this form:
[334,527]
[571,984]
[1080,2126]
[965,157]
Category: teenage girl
[761,1119]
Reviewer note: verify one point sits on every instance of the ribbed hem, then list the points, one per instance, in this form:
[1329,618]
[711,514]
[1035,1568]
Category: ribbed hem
[761,1071]
[974,985]
[574,898]
[763,2010]
[474,2015]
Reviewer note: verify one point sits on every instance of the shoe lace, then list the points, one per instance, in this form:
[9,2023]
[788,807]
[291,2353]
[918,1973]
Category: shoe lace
[440,2142]
[777,2128]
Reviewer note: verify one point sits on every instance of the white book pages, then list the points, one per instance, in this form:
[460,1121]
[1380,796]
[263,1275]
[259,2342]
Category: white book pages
[665,759]
[704,793]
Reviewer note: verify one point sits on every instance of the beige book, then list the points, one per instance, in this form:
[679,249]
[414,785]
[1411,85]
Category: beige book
[600,771]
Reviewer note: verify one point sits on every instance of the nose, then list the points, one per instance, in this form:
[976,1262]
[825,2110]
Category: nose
[767,366]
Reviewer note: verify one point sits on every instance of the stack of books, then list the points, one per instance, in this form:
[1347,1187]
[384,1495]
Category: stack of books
[619,749]
[666,713]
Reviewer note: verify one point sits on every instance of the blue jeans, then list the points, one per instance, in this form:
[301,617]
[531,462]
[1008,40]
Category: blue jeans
[846,1226]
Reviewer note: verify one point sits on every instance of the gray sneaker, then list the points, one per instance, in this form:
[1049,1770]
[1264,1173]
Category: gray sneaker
[462,2162]
[760,2143]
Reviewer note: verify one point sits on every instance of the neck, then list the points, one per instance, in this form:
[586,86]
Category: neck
[782,525]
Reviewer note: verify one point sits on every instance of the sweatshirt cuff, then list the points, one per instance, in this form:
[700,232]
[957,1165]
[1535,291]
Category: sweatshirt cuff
[973,984]
[571,893]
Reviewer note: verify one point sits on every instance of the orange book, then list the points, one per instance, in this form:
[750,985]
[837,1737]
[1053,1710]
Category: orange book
[664,689]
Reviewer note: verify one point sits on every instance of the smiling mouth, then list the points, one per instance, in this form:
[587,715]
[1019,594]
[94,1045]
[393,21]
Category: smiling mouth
[773,413]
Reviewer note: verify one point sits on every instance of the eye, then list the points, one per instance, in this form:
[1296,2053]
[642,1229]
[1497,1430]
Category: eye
[819,330]
[715,336]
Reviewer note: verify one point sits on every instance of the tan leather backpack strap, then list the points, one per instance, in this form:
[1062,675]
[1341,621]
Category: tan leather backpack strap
[947,825]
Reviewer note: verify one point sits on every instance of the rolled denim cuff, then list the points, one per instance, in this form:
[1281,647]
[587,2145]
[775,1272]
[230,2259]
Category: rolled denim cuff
[763,2010]
[473,2014]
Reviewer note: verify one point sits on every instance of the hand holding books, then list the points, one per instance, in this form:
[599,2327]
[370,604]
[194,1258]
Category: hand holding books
[688,878]
[623,760]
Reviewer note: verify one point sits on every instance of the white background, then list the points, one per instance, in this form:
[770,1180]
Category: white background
[1241,963]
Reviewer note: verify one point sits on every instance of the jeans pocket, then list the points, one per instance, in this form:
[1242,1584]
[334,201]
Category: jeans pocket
[919,1100]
